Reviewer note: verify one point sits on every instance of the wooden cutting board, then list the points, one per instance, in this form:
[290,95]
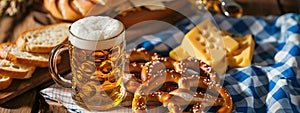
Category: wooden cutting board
[11,30]
[40,76]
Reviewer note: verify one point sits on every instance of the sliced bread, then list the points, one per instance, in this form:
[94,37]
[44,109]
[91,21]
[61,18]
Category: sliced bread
[12,52]
[43,39]
[14,70]
[5,82]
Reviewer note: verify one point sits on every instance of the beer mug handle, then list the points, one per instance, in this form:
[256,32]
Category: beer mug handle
[53,65]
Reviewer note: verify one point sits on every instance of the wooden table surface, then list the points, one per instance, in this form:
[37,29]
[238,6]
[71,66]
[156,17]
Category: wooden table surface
[33,102]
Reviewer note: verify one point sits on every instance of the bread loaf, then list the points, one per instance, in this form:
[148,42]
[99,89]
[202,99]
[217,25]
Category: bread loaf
[51,5]
[13,53]
[82,6]
[43,39]
[5,82]
[103,2]
[70,10]
[14,70]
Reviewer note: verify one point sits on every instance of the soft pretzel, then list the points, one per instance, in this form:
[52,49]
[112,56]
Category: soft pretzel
[198,67]
[158,64]
[152,80]
[219,97]
[186,67]
[135,60]
[183,96]
[150,90]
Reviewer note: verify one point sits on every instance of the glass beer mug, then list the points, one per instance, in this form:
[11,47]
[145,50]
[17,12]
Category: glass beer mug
[96,47]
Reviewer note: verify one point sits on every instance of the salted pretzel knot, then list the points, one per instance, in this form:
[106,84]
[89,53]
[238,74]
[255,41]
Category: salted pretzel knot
[185,67]
[176,99]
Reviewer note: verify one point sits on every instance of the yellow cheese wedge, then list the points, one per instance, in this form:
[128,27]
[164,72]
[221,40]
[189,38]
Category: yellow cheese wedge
[207,43]
[179,54]
[204,42]
[242,57]
[230,44]
[195,45]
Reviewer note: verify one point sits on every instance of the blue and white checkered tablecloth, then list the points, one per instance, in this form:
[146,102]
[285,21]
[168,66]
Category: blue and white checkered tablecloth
[271,84]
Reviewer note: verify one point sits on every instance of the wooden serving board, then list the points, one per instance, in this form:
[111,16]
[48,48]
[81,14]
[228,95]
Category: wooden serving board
[40,76]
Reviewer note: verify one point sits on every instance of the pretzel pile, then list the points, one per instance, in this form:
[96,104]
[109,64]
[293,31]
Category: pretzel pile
[189,85]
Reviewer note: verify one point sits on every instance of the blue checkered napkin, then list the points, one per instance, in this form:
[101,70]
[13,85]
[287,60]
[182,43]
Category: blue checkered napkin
[270,84]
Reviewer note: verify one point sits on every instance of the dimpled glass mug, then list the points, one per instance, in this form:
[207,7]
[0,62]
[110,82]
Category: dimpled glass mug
[96,47]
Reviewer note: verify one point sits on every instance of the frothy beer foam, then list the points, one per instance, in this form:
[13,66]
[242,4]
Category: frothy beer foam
[96,32]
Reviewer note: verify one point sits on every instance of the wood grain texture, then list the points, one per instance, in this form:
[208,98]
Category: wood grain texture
[48,107]
[259,7]
[20,104]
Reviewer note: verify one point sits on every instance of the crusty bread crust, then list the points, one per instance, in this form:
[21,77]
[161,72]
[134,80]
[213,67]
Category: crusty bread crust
[82,6]
[25,37]
[5,82]
[26,61]
[51,5]
[33,59]
[5,54]
[17,71]
[22,74]
[103,2]
[67,11]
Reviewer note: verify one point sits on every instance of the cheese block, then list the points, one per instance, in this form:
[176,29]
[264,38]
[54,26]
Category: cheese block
[179,54]
[242,57]
[205,42]
[195,45]
[230,44]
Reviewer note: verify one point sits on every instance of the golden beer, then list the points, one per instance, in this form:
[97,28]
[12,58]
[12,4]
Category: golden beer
[97,77]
